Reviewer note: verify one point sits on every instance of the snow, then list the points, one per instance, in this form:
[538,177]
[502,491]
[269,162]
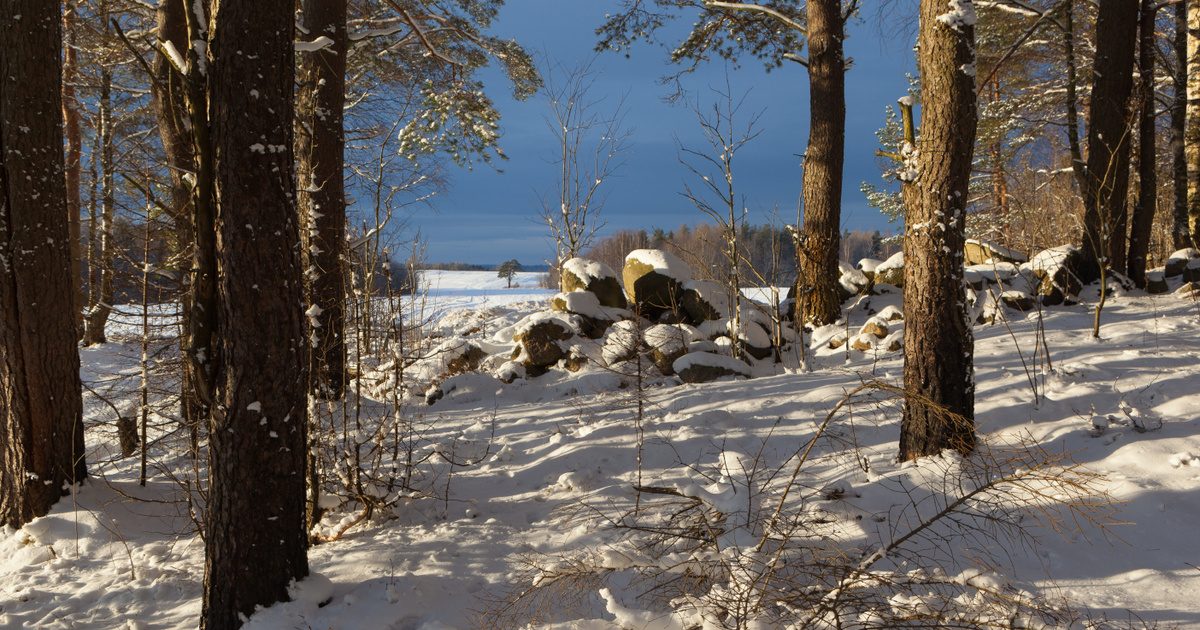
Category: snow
[895,261]
[662,262]
[554,450]
[588,270]
[1049,260]
[315,45]
[705,359]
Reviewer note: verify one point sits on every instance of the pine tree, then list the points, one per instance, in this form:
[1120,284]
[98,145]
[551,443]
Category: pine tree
[41,427]
[256,536]
[938,344]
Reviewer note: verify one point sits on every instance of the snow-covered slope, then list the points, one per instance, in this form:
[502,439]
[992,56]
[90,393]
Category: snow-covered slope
[549,460]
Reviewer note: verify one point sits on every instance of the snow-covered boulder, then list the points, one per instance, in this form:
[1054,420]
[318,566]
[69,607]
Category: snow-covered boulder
[854,282]
[704,301]
[1177,262]
[1058,269]
[703,367]
[458,356]
[1017,300]
[668,342]
[976,252]
[581,274]
[537,341]
[1191,273]
[891,271]
[594,317]
[621,342]
[1156,282]
[654,281]
[868,266]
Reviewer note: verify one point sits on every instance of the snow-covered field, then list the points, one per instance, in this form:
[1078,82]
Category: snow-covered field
[550,461]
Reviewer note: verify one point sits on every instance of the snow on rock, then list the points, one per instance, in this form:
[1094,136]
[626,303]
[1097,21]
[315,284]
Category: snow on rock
[654,280]
[869,265]
[621,343]
[1177,262]
[587,271]
[702,367]
[891,271]
[704,300]
[662,262]
[580,274]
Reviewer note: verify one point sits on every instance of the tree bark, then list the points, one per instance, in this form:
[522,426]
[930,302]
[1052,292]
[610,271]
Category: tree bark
[823,162]
[256,540]
[41,426]
[1191,140]
[1180,238]
[1109,137]
[74,158]
[938,344]
[1147,199]
[320,146]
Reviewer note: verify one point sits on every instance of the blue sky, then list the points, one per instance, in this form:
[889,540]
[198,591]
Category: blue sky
[487,216]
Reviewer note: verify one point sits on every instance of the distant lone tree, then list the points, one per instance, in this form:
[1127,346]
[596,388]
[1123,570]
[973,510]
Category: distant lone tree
[508,269]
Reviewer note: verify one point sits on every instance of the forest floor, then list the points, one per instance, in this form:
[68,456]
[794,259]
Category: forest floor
[545,466]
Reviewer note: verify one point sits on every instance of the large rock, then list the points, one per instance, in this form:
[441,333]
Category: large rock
[654,281]
[537,340]
[891,271]
[668,342]
[459,357]
[1057,270]
[622,342]
[1018,300]
[1156,282]
[977,252]
[702,367]
[1177,262]
[581,274]
[594,318]
[704,301]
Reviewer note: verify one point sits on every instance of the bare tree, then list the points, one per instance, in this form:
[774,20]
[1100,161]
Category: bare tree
[256,537]
[938,344]
[714,193]
[589,144]
[41,427]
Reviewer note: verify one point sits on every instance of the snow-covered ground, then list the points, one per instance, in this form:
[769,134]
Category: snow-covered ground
[551,460]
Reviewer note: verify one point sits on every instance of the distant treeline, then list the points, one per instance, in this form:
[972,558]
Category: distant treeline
[767,252]
[461,266]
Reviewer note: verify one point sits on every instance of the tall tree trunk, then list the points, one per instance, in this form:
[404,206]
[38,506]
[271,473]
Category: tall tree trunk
[171,111]
[256,539]
[1147,199]
[999,179]
[202,308]
[938,345]
[820,241]
[41,425]
[1109,137]
[1191,139]
[96,318]
[1078,165]
[1180,238]
[320,146]
[74,158]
